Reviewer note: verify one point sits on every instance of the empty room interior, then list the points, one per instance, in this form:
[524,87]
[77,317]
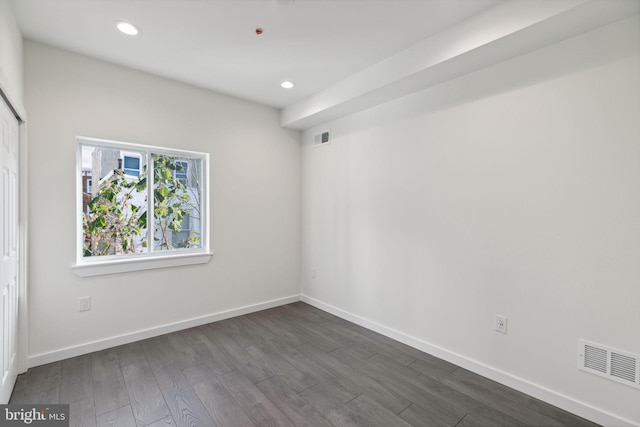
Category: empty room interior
[321,212]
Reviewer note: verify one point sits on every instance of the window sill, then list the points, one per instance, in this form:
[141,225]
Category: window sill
[139,264]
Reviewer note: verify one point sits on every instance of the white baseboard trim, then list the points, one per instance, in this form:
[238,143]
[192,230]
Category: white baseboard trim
[554,398]
[90,347]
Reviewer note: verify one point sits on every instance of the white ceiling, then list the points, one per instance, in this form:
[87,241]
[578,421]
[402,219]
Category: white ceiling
[212,43]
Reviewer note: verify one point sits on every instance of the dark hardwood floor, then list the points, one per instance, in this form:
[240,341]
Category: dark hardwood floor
[293,365]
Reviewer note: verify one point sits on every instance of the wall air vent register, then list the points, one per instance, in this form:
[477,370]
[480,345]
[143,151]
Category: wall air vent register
[323,138]
[620,366]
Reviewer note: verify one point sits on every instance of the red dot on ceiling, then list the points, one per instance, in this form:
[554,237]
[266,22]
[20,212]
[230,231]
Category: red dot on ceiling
[259,31]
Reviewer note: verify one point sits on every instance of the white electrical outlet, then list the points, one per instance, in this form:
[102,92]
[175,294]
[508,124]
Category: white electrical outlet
[314,273]
[501,324]
[85,303]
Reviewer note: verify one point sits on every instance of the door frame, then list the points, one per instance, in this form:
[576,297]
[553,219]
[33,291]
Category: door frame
[23,230]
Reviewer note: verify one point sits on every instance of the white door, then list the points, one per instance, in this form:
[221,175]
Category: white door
[9,251]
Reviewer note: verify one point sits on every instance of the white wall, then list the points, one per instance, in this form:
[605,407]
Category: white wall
[11,69]
[255,201]
[513,190]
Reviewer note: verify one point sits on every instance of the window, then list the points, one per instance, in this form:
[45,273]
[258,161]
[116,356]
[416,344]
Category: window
[181,172]
[147,207]
[89,186]
[180,239]
[131,165]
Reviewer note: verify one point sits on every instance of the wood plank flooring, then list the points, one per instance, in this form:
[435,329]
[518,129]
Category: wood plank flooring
[293,365]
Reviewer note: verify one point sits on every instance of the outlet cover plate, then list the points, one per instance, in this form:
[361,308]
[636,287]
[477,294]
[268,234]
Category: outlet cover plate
[501,324]
[85,304]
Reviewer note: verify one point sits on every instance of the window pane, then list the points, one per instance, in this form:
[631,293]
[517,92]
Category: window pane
[131,163]
[114,204]
[177,195]
[132,166]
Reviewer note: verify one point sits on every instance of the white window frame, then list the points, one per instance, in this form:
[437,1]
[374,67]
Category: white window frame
[111,264]
[126,154]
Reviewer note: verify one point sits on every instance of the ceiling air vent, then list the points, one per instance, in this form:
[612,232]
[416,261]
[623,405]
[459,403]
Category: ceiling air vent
[323,138]
[620,366]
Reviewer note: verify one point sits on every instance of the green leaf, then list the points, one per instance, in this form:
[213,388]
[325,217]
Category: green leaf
[175,226]
[110,196]
[100,222]
[92,204]
[164,191]
[142,220]
[141,185]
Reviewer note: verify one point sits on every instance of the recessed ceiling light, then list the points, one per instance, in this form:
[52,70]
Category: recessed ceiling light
[287,85]
[127,28]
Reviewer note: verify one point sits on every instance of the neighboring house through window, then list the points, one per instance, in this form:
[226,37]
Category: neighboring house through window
[140,203]
[87,189]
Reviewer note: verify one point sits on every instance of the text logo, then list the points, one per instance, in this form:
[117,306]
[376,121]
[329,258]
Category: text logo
[34,415]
